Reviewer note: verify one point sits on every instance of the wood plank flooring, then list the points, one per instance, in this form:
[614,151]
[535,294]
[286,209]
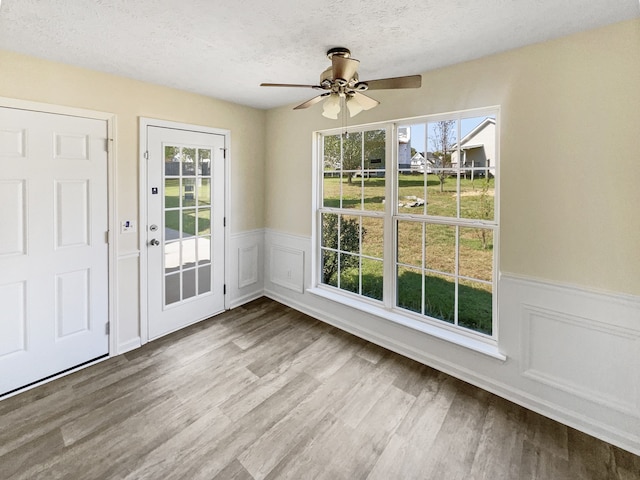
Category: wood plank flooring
[265,392]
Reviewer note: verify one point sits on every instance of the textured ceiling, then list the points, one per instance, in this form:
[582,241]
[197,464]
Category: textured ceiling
[225,49]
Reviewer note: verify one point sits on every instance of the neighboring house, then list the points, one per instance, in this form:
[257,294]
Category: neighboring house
[478,149]
[419,165]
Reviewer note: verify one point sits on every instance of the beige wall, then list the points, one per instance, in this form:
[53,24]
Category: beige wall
[28,78]
[570,137]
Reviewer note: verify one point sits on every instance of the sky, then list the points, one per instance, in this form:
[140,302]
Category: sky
[417,132]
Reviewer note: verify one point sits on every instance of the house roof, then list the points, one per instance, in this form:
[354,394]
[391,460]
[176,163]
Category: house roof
[226,49]
[477,129]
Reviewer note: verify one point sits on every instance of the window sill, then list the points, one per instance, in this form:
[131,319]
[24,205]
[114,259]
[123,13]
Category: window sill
[487,348]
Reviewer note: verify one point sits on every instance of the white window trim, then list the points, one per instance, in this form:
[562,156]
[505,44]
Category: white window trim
[386,309]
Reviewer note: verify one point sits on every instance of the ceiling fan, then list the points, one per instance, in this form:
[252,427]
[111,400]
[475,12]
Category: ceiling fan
[340,82]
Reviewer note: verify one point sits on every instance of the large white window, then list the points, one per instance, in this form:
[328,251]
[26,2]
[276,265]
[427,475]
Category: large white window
[407,218]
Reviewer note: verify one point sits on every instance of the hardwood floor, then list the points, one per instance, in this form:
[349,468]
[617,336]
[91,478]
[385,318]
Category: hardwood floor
[265,392]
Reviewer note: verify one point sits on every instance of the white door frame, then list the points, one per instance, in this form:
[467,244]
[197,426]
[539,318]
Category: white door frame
[142,201]
[110,118]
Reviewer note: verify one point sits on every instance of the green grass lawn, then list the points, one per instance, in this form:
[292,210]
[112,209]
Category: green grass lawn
[475,248]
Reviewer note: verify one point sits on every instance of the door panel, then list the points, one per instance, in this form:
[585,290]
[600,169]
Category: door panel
[53,250]
[185,231]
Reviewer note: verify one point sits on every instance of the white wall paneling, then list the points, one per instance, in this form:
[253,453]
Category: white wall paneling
[246,274]
[572,353]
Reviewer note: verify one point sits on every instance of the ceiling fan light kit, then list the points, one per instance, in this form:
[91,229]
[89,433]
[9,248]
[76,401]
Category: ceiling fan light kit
[342,86]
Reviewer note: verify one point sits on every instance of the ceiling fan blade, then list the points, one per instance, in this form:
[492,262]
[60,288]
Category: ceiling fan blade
[367,103]
[290,85]
[313,101]
[411,81]
[344,68]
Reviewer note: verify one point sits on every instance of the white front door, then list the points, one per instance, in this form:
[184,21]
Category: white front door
[185,227]
[53,245]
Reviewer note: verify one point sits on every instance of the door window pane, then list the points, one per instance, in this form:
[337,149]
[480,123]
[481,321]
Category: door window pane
[204,222]
[171,257]
[204,192]
[188,161]
[188,222]
[204,162]
[188,192]
[188,284]
[204,279]
[172,160]
[204,250]
[172,288]
[171,193]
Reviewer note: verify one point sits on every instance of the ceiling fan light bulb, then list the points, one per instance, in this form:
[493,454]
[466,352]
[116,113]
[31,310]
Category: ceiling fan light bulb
[354,106]
[331,106]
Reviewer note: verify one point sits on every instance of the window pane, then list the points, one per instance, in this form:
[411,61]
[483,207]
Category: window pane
[352,151]
[329,267]
[476,197]
[171,225]
[375,149]
[349,234]
[350,272]
[172,289]
[411,193]
[204,191]
[188,192]
[331,189]
[204,250]
[188,161]
[188,284]
[351,190]
[204,279]
[410,238]
[171,257]
[474,305]
[440,297]
[441,248]
[189,252]
[442,137]
[476,253]
[373,190]
[204,221]
[331,152]
[172,157]
[442,193]
[372,278]
[171,193]
[204,162]
[330,230]
[188,222]
[409,284]
[372,237]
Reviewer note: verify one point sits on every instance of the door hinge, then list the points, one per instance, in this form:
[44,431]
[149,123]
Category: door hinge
[106,328]
[224,221]
[224,152]
[146,155]
[106,236]
[224,289]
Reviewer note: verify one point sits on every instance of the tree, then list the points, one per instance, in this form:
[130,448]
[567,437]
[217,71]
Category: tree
[345,151]
[442,141]
[350,237]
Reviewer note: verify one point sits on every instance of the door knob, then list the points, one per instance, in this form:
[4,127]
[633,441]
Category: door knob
[154,242]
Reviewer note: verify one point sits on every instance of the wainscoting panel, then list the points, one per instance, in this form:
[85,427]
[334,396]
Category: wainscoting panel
[246,274]
[581,356]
